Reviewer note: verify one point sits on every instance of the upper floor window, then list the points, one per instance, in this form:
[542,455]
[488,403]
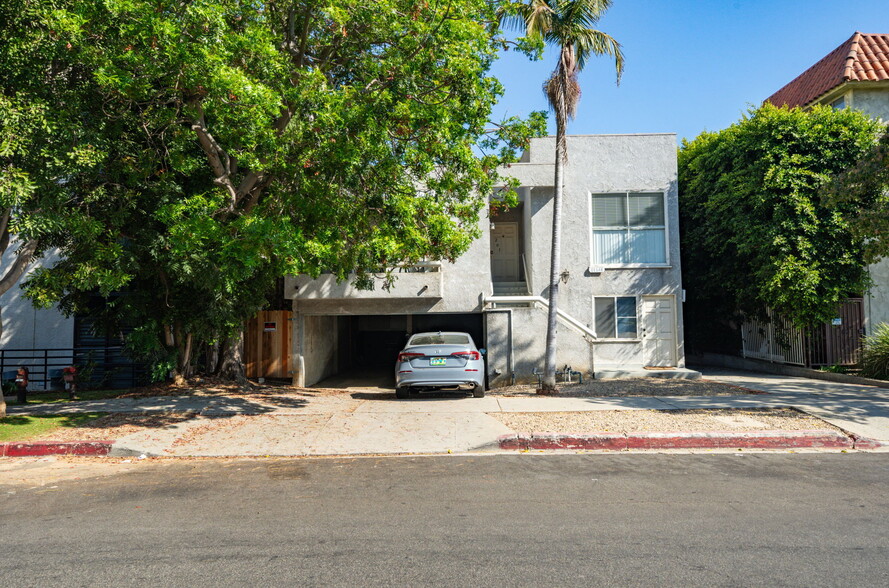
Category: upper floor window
[629,228]
[839,103]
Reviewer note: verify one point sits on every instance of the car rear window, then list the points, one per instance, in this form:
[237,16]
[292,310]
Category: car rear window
[440,340]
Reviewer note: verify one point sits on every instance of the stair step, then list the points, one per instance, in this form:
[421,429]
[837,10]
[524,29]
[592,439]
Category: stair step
[510,289]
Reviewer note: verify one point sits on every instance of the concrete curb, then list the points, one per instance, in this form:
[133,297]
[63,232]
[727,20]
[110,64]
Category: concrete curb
[93,448]
[762,366]
[709,440]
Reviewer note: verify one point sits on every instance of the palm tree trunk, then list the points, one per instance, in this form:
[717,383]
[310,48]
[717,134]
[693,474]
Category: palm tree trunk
[548,385]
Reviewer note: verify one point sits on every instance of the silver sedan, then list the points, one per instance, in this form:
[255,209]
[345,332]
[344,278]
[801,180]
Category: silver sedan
[443,359]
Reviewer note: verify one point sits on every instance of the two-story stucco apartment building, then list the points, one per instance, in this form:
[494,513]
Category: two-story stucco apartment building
[620,301]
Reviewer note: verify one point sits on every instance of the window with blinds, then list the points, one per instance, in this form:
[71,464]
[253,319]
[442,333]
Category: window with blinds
[629,228]
[616,317]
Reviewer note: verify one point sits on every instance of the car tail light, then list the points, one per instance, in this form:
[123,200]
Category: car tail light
[404,357]
[471,355]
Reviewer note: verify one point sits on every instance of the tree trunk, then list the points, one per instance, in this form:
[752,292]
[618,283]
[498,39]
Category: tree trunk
[548,385]
[211,358]
[232,366]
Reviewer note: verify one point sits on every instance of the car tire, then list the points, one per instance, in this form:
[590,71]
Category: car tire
[402,392]
[478,392]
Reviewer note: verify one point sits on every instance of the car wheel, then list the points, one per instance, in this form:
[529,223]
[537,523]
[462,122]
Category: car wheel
[402,392]
[478,392]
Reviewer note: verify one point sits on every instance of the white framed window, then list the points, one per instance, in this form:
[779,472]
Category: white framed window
[616,317]
[628,229]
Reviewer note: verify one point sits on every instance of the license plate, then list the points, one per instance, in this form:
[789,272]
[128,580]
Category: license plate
[438,360]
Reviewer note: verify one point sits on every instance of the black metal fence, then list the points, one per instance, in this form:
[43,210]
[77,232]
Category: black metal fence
[97,367]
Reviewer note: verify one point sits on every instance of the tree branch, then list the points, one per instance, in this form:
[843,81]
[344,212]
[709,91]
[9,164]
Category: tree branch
[23,258]
[4,230]
[220,161]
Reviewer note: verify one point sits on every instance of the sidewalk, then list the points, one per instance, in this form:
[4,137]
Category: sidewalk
[375,423]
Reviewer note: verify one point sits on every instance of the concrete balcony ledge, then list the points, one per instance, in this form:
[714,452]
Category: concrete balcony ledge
[408,285]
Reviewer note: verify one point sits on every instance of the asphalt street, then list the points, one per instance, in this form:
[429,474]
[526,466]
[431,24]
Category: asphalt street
[745,519]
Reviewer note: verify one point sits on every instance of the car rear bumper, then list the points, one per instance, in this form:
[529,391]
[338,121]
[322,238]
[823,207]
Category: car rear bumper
[419,379]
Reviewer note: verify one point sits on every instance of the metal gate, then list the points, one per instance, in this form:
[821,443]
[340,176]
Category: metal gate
[776,340]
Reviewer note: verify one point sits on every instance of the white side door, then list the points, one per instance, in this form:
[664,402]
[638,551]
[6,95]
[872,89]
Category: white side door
[505,252]
[659,331]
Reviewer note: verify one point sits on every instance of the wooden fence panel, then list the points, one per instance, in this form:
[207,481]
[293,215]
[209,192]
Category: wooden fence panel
[838,342]
[267,345]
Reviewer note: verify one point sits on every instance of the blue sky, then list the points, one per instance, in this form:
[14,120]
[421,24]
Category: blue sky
[692,65]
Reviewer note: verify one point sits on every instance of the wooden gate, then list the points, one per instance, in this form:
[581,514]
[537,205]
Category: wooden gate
[838,342]
[267,345]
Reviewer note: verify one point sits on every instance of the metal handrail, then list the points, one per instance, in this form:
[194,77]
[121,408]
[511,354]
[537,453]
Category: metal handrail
[528,282]
[566,318]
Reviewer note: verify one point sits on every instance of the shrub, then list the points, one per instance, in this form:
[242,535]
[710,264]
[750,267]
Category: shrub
[875,355]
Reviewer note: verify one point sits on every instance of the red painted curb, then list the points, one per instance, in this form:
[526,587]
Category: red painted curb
[558,441]
[741,440]
[55,448]
[865,443]
[709,440]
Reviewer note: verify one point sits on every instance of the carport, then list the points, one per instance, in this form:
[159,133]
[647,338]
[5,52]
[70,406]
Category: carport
[360,350]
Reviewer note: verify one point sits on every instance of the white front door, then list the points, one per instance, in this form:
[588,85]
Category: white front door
[505,252]
[659,331]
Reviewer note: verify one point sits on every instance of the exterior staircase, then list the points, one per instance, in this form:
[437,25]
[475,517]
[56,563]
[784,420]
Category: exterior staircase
[510,289]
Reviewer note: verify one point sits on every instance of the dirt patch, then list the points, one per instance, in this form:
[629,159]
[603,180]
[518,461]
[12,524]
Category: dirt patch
[653,421]
[114,426]
[632,387]
[215,387]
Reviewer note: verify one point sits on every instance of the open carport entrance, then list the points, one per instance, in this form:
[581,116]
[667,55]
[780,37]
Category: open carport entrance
[363,353]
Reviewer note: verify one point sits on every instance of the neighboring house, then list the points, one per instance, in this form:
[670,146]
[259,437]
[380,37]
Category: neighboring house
[854,75]
[46,341]
[620,298]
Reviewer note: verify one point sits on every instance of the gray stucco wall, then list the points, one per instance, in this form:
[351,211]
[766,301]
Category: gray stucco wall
[876,302]
[598,163]
[872,101]
[602,163]
[526,329]
[319,348]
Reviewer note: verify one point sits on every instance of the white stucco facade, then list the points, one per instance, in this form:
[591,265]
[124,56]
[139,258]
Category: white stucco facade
[513,331]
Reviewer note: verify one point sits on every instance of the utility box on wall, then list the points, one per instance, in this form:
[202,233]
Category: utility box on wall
[267,345]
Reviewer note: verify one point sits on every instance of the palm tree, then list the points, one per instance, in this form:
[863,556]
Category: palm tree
[568,25]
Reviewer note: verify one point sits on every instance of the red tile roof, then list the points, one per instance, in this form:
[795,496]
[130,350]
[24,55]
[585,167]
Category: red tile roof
[862,58]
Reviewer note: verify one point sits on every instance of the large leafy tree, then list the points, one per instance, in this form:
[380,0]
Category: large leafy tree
[42,147]
[225,143]
[867,181]
[755,232]
[569,26]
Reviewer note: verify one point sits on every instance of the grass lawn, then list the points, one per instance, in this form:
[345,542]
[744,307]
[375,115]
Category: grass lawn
[62,396]
[18,426]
